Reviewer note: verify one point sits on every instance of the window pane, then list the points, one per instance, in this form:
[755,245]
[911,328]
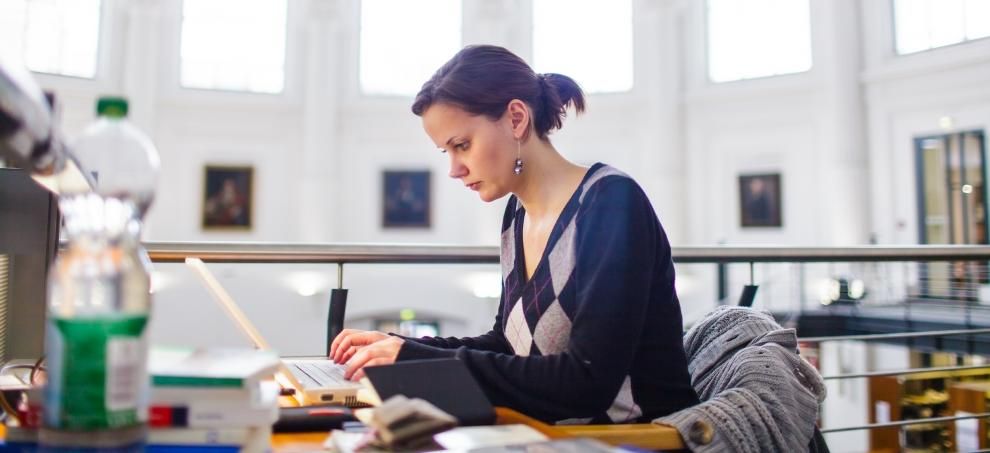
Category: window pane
[403,42]
[977,19]
[234,45]
[927,24]
[911,30]
[757,38]
[946,19]
[52,36]
[600,60]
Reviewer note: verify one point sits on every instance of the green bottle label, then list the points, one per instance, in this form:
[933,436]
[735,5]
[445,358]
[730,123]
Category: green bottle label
[97,372]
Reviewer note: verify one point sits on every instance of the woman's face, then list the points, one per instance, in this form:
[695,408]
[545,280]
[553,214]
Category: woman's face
[482,152]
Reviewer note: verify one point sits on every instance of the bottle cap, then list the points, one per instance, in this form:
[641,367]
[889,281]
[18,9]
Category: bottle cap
[111,106]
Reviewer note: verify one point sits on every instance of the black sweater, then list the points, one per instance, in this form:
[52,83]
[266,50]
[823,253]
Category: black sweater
[595,335]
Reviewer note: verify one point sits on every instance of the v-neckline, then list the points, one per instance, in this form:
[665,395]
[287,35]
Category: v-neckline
[562,219]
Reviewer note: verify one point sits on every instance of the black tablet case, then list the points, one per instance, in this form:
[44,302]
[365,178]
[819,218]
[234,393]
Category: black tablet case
[446,383]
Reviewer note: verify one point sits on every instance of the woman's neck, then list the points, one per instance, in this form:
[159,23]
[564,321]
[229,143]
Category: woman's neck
[548,180]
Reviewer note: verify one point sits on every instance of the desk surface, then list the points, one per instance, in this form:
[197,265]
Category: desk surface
[644,435]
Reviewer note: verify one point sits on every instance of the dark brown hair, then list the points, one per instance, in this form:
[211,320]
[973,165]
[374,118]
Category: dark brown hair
[482,79]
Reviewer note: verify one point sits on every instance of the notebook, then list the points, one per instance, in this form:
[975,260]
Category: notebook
[316,380]
[446,383]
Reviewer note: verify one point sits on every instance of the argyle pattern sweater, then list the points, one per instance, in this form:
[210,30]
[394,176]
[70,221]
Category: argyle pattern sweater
[594,336]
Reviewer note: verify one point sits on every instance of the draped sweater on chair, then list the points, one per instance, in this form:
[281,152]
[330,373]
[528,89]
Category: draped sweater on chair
[757,393]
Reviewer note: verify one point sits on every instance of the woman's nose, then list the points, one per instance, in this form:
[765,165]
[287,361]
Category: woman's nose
[457,169]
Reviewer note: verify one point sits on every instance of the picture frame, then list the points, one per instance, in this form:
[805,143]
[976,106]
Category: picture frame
[760,201]
[406,199]
[228,198]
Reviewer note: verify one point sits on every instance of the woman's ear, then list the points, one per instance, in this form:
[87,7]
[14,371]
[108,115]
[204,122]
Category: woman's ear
[519,118]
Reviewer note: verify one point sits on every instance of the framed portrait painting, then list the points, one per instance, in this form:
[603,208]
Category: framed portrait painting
[228,197]
[406,199]
[760,201]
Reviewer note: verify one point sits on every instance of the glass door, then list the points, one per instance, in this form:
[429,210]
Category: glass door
[952,209]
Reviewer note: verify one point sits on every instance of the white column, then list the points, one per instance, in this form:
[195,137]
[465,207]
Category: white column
[142,62]
[657,43]
[844,159]
[319,182]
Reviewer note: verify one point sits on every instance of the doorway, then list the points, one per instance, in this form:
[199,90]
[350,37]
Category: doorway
[952,209]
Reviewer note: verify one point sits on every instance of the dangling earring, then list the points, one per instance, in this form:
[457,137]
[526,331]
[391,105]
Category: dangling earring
[519,163]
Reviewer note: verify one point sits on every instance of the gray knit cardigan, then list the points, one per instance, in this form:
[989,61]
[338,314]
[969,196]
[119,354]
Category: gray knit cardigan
[757,393]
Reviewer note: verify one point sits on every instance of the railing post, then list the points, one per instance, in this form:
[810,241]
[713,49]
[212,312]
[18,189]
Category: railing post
[749,291]
[721,280]
[338,307]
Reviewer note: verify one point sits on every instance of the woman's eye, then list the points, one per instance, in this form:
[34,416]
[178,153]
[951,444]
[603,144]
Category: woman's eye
[462,146]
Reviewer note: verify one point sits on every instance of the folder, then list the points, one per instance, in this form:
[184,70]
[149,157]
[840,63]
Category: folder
[446,383]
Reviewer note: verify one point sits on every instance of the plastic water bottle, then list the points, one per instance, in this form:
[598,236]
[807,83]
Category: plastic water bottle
[99,298]
[121,159]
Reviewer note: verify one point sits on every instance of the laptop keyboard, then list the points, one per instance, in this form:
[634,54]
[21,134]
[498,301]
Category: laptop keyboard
[324,373]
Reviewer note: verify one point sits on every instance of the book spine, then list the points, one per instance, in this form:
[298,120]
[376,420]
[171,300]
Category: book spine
[213,416]
[174,396]
[219,414]
[238,437]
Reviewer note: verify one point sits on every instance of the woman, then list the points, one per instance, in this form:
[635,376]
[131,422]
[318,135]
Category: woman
[589,325]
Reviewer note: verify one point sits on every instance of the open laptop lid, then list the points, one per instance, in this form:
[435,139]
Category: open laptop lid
[446,383]
[237,315]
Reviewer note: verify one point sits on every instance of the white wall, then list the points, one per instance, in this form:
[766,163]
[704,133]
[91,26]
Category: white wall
[801,125]
[906,96]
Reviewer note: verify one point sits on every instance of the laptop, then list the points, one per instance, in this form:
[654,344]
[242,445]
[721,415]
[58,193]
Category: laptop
[316,380]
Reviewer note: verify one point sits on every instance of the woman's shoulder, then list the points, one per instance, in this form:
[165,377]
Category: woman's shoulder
[609,182]
[510,210]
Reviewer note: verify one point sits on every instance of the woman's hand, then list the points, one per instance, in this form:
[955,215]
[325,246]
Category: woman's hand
[382,352]
[349,341]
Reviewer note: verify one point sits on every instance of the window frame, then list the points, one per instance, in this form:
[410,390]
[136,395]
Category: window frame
[706,43]
[355,102]
[106,29]
[356,17]
[633,88]
[170,82]
[892,17]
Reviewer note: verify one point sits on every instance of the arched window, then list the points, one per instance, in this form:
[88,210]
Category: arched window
[757,38]
[51,36]
[403,42]
[588,40]
[236,45]
[926,24]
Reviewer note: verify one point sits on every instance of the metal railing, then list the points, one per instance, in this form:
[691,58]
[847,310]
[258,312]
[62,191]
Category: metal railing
[261,252]
[905,372]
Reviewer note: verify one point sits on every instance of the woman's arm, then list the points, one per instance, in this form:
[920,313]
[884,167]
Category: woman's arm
[494,341]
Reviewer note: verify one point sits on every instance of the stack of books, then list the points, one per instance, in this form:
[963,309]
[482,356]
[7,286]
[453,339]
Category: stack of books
[223,399]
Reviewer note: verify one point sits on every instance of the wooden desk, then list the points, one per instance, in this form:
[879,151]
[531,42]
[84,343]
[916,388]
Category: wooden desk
[643,435]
